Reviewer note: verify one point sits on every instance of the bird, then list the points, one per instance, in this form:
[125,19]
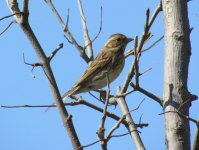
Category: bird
[109,62]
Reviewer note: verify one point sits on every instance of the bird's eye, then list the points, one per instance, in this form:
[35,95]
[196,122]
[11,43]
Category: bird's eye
[118,39]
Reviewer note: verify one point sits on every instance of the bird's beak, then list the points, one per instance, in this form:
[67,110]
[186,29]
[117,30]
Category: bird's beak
[129,40]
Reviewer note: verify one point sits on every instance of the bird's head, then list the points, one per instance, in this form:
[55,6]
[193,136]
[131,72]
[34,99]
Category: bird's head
[117,42]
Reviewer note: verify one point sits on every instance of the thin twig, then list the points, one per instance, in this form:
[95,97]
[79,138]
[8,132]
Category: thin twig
[153,44]
[120,135]
[120,121]
[129,53]
[132,51]
[140,118]
[28,106]
[126,93]
[100,29]
[116,126]
[148,23]
[67,20]
[182,115]
[93,143]
[98,99]
[55,51]
[136,108]
[155,13]
[7,27]
[140,74]
[69,41]
[10,15]
[152,96]
[33,65]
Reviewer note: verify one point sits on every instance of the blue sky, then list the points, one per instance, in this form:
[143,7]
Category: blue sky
[32,128]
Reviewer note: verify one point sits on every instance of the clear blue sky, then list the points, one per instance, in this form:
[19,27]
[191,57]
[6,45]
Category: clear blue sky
[31,128]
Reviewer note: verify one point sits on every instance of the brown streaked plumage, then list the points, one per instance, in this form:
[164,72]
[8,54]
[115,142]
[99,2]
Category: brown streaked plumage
[109,60]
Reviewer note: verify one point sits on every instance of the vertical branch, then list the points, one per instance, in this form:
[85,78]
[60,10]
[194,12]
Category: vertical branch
[131,125]
[101,128]
[144,37]
[22,20]
[131,70]
[136,58]
[177,50]
[25,6]
[87,41]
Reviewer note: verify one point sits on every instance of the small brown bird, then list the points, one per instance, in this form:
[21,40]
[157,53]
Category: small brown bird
[110,60]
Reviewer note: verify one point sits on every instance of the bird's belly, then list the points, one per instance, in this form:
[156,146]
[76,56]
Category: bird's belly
[101,81]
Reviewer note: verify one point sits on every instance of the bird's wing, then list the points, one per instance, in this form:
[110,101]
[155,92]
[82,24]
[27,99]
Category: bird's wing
[101,61]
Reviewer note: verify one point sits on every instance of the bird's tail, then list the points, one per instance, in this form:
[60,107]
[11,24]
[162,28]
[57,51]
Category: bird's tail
[72,91]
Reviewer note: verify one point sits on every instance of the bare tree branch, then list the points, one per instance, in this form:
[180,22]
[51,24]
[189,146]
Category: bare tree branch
[136,66]
[100,29]
[67,20]
[131,70]
[140,74]
[114,128]
[67,32]
[153,44]
[22,20]
[152,96]
[25,7]
[155,13]
[88,145]
[131,51]
[55,51]
[138,48]
[7,27]
[10,16]
[120,121]
[182,115]
[87,40]
[112,136]
[78,101]
[101,129]
[33,65]
[131,125]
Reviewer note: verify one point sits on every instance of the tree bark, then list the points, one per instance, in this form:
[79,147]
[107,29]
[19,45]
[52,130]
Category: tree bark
[176,61]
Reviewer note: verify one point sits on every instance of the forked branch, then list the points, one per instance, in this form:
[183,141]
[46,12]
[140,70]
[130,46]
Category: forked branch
[23,22]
